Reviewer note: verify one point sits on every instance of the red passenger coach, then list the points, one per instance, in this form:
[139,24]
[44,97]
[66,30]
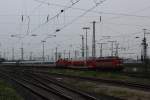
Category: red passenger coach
[106,63]
[112,63]
[78,63]
[63,63]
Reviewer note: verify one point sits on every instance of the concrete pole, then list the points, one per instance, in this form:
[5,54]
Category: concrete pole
[86,28]
[69,55]
[13,56]
[56,54]
[31,54]
[117,48]
[101,50]
[22,53]
[144,47]
[82,46]
[43,55]
[93,42]
[64,54]
[75,54]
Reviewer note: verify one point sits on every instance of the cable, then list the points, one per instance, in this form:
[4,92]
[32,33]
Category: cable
[75,19]
[122,14]
[124,24]
[28,24]
[81,16]
[42,2]
[122,34]
[28,29]
[106,13]
[56,16]
[133,12]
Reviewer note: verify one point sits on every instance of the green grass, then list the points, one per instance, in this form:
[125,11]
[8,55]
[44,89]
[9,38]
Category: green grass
[96,74]
[99,74]
[102,89]
[98,89]
[7,92]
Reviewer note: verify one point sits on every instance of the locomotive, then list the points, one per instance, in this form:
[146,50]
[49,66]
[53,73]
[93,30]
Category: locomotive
[105,63]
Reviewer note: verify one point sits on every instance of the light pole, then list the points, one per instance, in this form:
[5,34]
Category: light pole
[86,28]
[43,56]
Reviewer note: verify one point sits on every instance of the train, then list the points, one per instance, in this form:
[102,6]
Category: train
[27,63]
[104,63]
[2,60]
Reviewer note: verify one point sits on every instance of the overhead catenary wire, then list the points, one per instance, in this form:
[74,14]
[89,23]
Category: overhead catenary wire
[75,19]
[116,31]
[116,35]
[23,17]
[111,13]
[98,12]
[55,16]
[133,12]
[78,9]
[42,2]
[91,11]
[48,19]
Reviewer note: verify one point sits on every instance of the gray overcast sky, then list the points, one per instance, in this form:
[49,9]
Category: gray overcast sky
[121,19]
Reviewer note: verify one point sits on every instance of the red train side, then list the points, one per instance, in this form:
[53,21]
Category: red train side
[108,63]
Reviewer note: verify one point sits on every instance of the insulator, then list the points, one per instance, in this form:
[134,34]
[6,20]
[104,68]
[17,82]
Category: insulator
[22,18]
[57,30]
[100,19]
[47,18]
[62,10]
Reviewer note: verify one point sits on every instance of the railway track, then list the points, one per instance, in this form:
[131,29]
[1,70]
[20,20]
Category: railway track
[133,85]
[46,88]
[137,74]
[48,66]
[40,91]
[39,76]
